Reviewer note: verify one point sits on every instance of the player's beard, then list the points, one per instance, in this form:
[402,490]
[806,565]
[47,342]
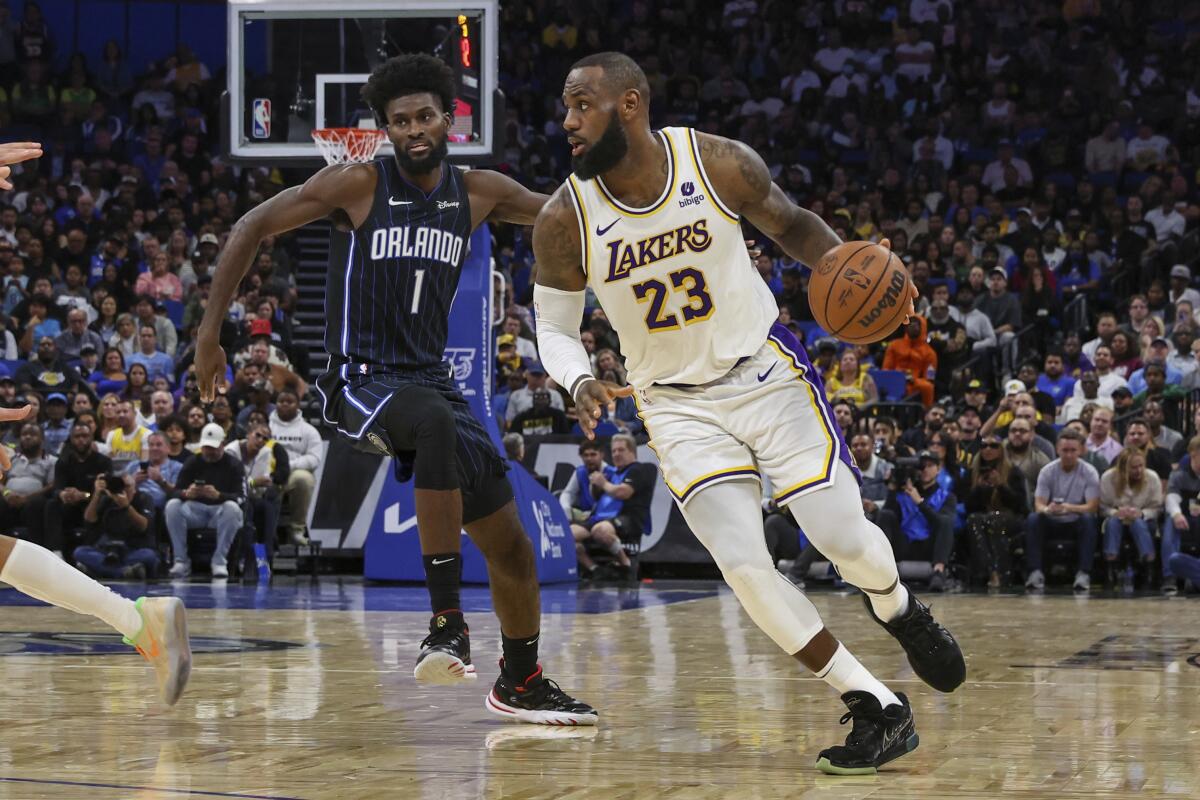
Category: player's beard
[605,154]
[426,163]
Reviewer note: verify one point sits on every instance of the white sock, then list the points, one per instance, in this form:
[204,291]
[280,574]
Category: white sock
[891,605]
[37,572]
[846,674]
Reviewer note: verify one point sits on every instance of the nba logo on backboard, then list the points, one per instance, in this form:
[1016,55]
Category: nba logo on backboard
[262,118]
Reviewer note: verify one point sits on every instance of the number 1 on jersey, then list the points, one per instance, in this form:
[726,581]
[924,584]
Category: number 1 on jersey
[420,280]
[688,280]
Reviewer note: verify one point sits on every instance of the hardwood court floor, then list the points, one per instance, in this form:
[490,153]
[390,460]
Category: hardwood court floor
[306,692]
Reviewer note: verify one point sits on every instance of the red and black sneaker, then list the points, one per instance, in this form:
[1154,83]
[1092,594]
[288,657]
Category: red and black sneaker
[445,657]
[537,700]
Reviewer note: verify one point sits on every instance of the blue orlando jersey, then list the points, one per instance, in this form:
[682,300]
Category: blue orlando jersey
[392,280]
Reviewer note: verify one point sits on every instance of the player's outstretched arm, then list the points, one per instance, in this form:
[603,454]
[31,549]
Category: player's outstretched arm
[498,198]
[743,182]
[15,153]
[340,186]
[558,300]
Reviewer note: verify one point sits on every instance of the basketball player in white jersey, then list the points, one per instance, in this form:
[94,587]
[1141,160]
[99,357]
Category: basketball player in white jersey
[156,626]
[650,220]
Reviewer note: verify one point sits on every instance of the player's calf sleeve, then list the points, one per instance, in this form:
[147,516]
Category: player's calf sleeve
[777,607]
[832,518]
[727,519]
[39,573]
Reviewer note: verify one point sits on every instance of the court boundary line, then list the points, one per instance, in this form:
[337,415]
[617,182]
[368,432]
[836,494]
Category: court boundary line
[202,792]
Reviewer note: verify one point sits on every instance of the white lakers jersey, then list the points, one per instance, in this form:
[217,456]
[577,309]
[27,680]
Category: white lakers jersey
[674,279]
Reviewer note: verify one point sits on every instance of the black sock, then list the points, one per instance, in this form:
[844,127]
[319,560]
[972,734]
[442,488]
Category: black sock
[520,655]
[443,576]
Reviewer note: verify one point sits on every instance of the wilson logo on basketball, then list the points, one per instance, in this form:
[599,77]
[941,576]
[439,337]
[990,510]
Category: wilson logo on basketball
[889,300]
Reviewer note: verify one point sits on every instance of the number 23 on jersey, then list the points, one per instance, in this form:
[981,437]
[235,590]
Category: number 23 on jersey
[690,282]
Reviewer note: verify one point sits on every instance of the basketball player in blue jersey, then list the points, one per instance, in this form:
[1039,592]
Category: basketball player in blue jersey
[388,389]
[650,221]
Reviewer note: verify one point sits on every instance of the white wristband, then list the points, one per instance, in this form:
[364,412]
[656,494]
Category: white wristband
[559,314]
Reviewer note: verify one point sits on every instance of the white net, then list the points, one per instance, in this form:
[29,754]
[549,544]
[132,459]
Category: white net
[347,145]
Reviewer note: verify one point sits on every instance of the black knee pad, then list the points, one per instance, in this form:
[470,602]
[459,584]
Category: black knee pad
[423,419]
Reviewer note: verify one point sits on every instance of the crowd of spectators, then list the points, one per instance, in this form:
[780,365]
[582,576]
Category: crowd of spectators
[107,246]
[1034,165]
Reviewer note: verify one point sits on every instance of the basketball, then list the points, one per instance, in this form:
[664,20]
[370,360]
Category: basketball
[858,292]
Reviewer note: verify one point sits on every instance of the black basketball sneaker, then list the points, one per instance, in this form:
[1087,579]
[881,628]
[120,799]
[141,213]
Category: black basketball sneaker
[536,700]
[932,651]
[445,654]
[879,735]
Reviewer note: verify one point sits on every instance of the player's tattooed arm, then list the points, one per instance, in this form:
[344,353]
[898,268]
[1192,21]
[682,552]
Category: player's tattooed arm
[557,251]
[743,182]
[348,187]
[558,296]
[498,198]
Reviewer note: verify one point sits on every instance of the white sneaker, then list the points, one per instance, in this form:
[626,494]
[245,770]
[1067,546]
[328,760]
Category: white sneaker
[299,537]
[1083,581]
[1036,580]
[181,569]
[220,571]
[163,641]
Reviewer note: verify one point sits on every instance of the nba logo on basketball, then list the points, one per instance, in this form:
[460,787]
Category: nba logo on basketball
[262,118]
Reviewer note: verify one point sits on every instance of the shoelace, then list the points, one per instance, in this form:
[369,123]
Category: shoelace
[922,627]
[548,690]
[861,721]
[446,635]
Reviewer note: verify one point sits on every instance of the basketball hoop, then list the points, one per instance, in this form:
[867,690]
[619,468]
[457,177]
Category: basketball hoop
[348,145]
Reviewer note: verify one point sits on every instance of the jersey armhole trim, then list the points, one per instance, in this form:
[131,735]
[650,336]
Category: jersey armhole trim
[695,148]
[581,220]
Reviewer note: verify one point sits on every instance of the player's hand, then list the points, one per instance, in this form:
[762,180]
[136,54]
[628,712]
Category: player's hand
[15,414]
[913,294]
[210,369]
[593,397]
[15,153]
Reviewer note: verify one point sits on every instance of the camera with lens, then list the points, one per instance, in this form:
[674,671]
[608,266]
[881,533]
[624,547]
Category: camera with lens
[905,469]
[111,482]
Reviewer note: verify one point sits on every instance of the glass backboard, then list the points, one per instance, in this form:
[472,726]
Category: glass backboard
[297,65]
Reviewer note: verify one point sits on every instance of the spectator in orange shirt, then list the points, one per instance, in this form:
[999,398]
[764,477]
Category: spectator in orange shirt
[912,354]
